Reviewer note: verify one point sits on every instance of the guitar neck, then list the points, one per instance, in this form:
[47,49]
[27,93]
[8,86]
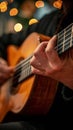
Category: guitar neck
[65,39]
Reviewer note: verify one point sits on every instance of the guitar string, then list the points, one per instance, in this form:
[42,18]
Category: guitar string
[55,48]
[26,60]
[26,63]
[25,71]
[18,67]
[28,68]
[60,50]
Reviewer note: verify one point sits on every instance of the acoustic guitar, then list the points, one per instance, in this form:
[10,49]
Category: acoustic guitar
[26,92]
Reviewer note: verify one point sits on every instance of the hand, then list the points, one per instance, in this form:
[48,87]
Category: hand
[5,71]
[46,62]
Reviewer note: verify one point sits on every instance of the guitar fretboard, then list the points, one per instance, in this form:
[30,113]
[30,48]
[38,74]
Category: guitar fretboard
[65,39]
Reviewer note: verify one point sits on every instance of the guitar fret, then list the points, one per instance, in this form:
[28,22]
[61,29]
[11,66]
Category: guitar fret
[71,41]
[63,47]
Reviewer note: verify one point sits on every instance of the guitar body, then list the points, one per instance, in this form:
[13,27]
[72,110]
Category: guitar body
[35,94]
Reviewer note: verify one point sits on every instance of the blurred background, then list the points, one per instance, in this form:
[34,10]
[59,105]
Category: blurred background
[16,15]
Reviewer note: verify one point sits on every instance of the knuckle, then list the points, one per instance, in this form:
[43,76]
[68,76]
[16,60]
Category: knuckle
[48,51]
[57,68]
[35,53]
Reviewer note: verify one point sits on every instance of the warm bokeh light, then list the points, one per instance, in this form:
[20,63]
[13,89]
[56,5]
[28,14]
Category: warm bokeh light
[32,21]
[4,9]
[18,27]
[3,6]
[58,4]
[13,12]
[39,4]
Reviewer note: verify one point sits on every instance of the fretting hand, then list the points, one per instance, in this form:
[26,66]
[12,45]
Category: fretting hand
[46,62]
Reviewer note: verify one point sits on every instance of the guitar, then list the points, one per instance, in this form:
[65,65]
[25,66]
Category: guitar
[24,91]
